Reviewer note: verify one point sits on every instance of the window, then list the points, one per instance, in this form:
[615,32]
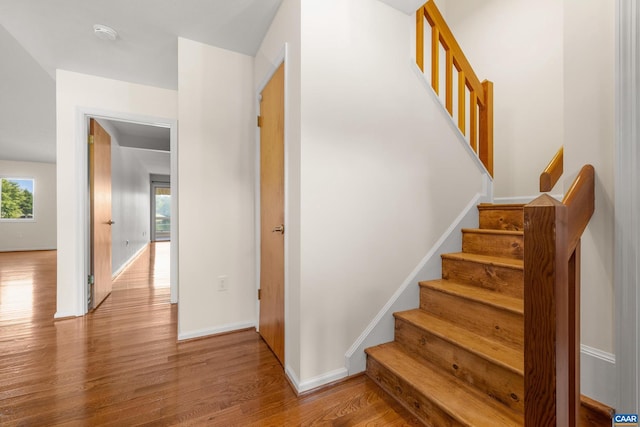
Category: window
[162,228]
[16,199]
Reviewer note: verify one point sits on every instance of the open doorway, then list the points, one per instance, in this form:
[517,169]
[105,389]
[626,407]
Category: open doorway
[142,151]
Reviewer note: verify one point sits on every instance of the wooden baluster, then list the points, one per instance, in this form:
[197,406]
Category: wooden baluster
[473,120]
[461,101]
[486,128]
[420,38]
[573,343]
[435,56]
[448,81]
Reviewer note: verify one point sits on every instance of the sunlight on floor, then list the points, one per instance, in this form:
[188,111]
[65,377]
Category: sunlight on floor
[150,269]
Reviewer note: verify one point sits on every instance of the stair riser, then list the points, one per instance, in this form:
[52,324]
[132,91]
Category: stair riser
[502,219]
[485,320]
[419,405]
[504,280]
[494,380]
[504,245]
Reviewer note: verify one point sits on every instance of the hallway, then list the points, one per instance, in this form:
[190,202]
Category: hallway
[122,366]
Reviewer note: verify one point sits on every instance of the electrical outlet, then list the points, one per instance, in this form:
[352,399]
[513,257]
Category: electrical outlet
[223,283]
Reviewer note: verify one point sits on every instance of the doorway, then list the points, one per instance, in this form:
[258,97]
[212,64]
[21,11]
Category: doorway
[160,211]
[169,127]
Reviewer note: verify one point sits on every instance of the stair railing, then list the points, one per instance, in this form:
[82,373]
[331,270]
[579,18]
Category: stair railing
[552,173]
[552,232]
[480,97]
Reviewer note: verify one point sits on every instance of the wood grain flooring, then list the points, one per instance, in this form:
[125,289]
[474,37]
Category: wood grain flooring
[122,365]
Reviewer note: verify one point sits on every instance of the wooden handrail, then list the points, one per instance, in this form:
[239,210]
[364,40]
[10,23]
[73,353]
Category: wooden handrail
[552,232]
[480,99]
[552,173]
[580,203]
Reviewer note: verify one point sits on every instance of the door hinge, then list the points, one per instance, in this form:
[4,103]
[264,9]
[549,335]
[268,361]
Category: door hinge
[90,139]
[259,293]
[90,279]
[259,121]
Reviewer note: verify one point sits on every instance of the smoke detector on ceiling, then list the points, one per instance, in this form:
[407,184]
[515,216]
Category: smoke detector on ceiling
[105,33]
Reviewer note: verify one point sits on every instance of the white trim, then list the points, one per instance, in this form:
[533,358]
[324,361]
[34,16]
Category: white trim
[63,315]
[380,329]
[82,188]
[598,375]
[317,381]
[175,220]
[452,124]
[230,327]
[627,203]
[598,354]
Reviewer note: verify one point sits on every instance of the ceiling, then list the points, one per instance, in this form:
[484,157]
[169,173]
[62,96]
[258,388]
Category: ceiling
[39,36]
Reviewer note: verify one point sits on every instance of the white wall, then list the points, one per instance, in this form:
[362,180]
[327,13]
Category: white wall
[589,97]
[216,164]
[285,29]
[40,233]
[130,202]
[383,174]
[518,46]
[75,94]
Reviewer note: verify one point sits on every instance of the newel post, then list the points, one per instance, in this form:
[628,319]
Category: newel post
[548,308]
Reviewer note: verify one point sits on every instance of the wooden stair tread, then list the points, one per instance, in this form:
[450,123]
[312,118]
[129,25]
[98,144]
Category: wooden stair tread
[516,264]
[486,348]
[465,405]
[478,294]
[493,231]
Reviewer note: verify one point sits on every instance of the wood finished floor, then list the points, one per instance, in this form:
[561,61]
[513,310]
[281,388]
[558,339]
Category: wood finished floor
[122,364]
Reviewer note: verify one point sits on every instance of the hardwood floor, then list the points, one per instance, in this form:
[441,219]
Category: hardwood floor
[122,364]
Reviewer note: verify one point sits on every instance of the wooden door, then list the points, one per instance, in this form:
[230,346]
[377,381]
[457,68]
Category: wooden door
[100,189]
[272,214]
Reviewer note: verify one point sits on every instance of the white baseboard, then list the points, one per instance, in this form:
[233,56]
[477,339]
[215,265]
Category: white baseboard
[315,382]
[62,315]
[598,375]
[230,327]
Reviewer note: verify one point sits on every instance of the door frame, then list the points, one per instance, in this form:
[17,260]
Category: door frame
[627,202]
[282,57]
[82,130]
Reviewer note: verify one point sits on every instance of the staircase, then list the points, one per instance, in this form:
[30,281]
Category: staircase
[458,359]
